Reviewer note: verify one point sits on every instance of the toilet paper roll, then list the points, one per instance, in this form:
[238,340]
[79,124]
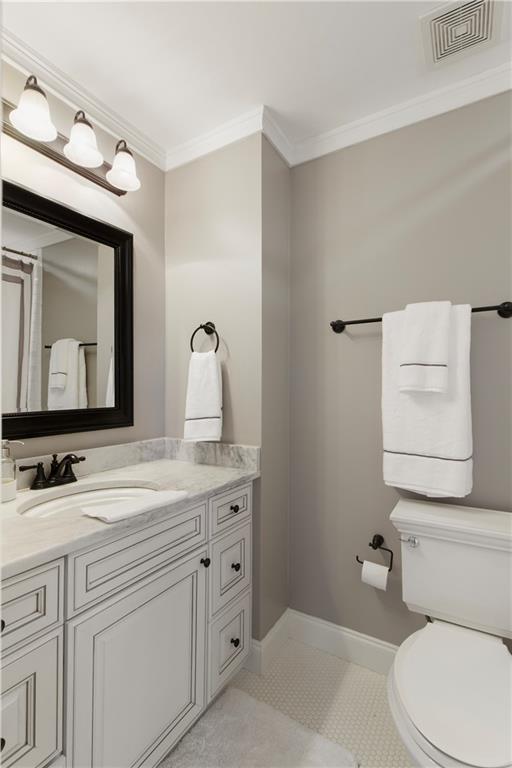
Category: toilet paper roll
[375,575]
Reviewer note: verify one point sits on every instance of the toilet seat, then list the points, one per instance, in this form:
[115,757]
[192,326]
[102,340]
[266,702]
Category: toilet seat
[453,694]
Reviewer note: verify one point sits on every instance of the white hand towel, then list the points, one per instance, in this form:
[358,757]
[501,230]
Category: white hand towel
[203,409]
[59,360]
[74,394]
[425,344]
[111,513]
[428,440]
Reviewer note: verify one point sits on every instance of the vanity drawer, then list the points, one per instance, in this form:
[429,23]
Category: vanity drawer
[230,508]
[231,567]
[32,602]
[31,703]
[96,573]
[230,639]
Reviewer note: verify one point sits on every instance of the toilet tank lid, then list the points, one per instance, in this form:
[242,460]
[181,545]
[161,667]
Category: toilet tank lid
[486,527]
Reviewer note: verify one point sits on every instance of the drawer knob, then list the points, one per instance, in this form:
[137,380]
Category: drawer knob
[235,641]
[235,508]
[2,743]
[205,561]
[2,625]
[236,566]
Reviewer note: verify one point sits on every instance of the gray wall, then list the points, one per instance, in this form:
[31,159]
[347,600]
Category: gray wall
[227,249]
[418,214]
[213,253]
[69,306]
[271,524]
[141,213]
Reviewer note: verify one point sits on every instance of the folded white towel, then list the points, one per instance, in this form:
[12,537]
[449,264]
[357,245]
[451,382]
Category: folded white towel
[425,343]
[203,409]
[111,513]
[59,361]
[428,440]
[74,393]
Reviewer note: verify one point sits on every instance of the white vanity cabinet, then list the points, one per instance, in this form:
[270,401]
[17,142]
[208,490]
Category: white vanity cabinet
[153,623]
[136,672]
[31,703]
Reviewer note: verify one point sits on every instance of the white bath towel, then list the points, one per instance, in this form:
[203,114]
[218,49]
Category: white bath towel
[203,409]
[424,359]
[59,361]
[428,440]
[74,393]
[111,513]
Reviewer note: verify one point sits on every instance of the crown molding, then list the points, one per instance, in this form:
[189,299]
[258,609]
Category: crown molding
[261,119]
[227,133]
[481,86]
[22,57]
[277,137]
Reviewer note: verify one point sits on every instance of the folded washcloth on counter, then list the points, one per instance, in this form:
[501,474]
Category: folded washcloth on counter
[428,443]
[424,358]
[111,513]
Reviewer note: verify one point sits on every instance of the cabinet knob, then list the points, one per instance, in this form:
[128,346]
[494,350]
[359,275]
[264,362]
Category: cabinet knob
[2,743]
[235,508]
[205,561]
[236,566]
[235,641]
[2,625]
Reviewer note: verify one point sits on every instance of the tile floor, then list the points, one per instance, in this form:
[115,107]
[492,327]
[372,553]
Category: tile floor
[339,700]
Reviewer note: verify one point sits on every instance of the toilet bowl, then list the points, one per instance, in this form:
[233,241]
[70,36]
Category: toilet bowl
[450,685]
[450,694]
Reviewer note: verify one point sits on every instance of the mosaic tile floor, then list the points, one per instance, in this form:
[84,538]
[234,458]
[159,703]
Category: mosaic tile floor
[341,701]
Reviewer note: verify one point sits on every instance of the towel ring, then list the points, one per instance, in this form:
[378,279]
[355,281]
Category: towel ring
[208,328]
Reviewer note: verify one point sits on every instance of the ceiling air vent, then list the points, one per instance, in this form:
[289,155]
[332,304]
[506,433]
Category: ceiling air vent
[458,29]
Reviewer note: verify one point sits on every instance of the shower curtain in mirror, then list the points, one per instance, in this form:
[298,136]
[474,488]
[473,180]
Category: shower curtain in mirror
[21,333]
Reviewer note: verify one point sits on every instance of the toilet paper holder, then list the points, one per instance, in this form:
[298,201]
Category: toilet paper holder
[376,543]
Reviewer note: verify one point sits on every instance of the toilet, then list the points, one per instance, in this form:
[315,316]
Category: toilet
[450,685]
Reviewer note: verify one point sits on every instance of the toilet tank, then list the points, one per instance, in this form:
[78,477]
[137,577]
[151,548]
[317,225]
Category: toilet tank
[457,563]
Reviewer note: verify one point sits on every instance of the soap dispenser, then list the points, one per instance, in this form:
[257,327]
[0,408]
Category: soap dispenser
[8,471]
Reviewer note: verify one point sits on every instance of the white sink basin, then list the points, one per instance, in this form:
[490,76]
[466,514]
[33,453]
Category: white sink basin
[77,497]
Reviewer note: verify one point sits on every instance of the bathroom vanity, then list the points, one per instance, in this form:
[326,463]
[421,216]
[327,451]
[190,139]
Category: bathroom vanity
[116,637]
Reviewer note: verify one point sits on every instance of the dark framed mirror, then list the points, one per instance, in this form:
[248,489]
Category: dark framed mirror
[67,319]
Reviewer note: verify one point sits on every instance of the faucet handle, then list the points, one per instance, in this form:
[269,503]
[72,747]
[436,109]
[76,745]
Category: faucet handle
[39,481]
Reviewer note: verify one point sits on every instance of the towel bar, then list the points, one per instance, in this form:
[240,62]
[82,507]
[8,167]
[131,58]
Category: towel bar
[504,310]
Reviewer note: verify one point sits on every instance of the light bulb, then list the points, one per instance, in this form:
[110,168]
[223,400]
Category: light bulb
[123,173]
[81,148]
[32,115]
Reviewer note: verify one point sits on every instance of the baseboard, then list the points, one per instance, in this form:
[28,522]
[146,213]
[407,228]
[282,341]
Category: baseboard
[263,652]
[345,643]
[367,651]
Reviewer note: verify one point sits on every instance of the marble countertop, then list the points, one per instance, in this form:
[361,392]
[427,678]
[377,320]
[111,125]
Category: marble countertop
[30,541]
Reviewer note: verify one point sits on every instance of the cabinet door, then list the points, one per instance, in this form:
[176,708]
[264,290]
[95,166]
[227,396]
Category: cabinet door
[31,703]
[136,670]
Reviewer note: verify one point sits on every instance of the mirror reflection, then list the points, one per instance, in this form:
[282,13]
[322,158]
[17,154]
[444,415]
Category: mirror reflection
[57,318]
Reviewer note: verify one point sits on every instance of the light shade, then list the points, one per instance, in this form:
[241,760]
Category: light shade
[32,115]
[123,173]
[81,148]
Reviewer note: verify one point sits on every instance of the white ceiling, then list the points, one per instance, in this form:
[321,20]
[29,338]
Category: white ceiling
[176,71]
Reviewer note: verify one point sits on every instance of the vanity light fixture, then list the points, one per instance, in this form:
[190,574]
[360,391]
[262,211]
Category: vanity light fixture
[32,115]
[82,148]
[123,173]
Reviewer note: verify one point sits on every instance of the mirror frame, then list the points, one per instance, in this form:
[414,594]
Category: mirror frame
[40,423]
